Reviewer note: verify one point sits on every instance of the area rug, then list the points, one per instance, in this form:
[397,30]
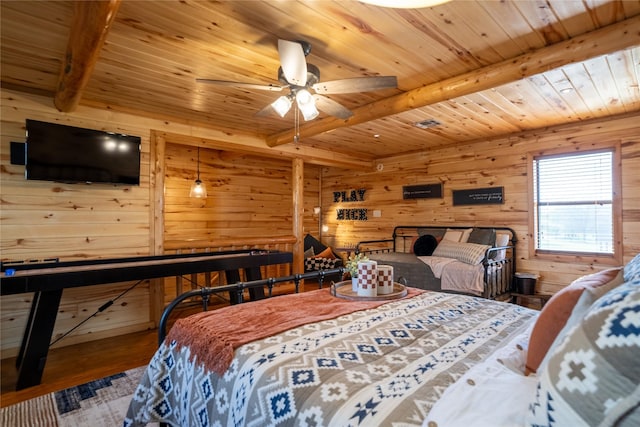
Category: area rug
[99,403]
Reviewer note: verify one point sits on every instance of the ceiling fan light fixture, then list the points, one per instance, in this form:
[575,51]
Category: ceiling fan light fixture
[404,4]
[307,105]
[281,105]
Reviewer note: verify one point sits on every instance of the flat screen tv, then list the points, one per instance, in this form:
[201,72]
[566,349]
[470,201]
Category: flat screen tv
[69,154]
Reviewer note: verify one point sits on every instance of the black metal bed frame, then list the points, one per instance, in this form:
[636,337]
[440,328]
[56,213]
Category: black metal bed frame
[498,275]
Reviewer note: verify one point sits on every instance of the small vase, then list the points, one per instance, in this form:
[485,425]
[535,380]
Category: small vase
[354,284]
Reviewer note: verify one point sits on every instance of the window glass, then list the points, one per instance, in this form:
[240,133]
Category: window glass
[573,199]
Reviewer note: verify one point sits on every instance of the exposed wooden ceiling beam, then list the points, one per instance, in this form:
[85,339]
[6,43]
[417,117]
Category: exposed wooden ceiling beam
[612,38]
[89,28]
[255,146]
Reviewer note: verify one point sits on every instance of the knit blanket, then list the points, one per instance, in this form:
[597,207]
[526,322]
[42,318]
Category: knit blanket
[213,336]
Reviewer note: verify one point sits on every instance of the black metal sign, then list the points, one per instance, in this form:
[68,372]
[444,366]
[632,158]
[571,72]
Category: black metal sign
[426,191]
[479,196]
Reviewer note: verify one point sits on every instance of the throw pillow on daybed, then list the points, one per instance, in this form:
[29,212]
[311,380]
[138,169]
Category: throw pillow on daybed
[482,236]
[327,253]
[457,235]
[312,242]
[470,253]
[557,310]
[501,240]
[592,377]
[425,245]
[308,253]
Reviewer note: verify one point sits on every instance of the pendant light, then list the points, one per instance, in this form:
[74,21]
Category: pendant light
[198,189]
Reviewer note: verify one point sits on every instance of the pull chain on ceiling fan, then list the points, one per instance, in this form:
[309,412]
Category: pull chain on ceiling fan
[305,89]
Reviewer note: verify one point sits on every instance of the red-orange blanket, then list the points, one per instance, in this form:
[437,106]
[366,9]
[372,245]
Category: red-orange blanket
[213,336]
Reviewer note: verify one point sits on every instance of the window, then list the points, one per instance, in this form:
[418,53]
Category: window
[573,199]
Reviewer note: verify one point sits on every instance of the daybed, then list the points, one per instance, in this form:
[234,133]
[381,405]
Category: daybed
[430,359]
[475,260]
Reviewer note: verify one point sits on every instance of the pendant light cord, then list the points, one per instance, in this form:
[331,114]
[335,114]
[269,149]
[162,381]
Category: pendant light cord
[198,164]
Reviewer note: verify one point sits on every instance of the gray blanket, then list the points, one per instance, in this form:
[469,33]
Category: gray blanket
[408,266]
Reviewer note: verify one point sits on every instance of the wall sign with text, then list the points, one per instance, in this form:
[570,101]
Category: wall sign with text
[351,214]
[350,196]
[426,191]
[479,196]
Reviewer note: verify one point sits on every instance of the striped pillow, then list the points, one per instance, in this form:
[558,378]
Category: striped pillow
[470,253]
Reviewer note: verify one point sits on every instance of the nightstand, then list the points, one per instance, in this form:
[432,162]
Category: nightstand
[522,299]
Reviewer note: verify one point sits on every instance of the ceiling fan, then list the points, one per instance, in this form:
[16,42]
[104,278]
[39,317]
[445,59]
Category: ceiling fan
[303,81]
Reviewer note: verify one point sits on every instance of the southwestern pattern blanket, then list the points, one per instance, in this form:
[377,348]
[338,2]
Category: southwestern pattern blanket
[369,367]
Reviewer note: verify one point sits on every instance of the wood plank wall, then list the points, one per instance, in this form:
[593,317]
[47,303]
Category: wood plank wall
[76,221]
[491,163]
[250,196]
[48,220]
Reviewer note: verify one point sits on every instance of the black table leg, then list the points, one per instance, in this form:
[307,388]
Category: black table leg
[253,273]
[37,336]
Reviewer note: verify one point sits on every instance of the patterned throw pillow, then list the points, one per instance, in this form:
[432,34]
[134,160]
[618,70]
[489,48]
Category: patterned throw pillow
[314,264]
[632,269]
[470,253]
[593,376]
[560,307]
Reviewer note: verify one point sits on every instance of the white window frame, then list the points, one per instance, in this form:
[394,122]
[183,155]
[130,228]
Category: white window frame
[569,256]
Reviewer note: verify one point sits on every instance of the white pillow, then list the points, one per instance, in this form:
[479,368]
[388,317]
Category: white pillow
[501,240]
[470,253]
[452,235]
[465,235]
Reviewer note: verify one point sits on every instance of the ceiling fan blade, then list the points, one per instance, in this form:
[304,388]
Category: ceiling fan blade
[266,111]
[357,84]
[332,107]
[293,63]
[241,85]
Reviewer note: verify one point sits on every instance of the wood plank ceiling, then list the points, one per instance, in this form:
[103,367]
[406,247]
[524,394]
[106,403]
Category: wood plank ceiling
[478,68]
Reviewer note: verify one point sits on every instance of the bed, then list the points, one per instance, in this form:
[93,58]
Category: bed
[473,260]
[315,359]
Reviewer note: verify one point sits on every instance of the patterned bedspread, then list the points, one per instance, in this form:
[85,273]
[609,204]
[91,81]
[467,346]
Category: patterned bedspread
[382,366]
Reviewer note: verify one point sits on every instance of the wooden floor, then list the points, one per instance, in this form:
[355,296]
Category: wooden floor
[77,364]
[80,363]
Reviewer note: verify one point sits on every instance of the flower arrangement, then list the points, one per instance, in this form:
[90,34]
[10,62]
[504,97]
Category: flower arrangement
[352,263]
